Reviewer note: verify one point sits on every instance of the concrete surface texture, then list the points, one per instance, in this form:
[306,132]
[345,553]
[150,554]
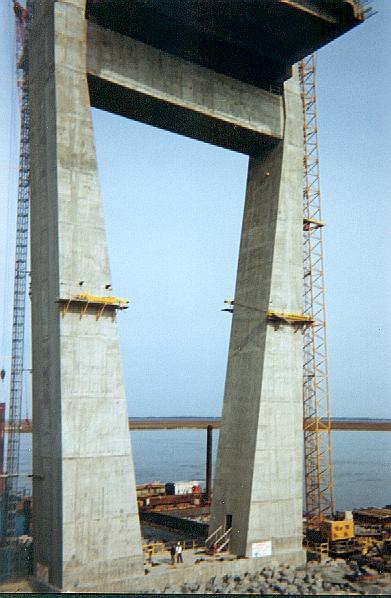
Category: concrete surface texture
[258,480]
[86,527]
[144,83]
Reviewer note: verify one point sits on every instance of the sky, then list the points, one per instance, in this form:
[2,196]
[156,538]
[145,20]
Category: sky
[173,210]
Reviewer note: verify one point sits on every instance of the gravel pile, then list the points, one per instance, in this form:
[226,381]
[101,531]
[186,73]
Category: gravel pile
[329,577]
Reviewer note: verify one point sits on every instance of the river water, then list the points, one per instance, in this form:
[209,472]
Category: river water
[362,462]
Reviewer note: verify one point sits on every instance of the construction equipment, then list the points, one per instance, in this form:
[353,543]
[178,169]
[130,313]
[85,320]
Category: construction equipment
[337,530]
[18,325]
[317,423]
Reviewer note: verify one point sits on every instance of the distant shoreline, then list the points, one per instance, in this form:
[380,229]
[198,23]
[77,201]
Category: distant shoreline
[215,418]
[336,423]
[354,424]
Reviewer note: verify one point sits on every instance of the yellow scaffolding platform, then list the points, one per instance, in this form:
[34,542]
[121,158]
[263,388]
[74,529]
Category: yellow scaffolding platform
[312,223]
[100,303]
[297,320]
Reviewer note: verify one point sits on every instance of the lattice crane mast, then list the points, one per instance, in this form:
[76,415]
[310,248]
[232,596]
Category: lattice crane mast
[22,16]
[317,423]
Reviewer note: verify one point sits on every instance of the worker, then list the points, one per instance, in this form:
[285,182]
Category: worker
[172,553]
[179,557]
[20,11]
[150,552]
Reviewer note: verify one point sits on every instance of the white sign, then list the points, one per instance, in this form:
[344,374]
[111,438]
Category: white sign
[260,549]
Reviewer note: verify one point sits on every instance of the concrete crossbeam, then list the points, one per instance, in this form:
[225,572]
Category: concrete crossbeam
[255,41]
[144,83]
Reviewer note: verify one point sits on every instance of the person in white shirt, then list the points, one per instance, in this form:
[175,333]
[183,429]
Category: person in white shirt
[179,550]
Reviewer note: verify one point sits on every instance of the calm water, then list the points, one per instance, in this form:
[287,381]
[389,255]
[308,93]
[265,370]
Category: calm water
[362,462]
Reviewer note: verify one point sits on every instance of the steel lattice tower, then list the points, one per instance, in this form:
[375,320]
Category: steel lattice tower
[20,278]
[317,425]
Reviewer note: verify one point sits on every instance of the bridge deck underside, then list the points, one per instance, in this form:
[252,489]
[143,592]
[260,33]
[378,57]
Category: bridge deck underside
[255,41]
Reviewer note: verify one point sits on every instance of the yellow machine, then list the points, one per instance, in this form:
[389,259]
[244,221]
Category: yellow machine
[337,530]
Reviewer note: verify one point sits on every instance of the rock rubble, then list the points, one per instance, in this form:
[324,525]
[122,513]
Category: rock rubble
[336,577]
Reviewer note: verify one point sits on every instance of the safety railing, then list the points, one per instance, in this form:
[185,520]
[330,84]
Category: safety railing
[212,536]
[223,541]
[159,547]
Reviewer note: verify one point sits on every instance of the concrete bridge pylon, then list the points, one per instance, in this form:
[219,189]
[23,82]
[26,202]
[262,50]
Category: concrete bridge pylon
[86,526]
[258,479]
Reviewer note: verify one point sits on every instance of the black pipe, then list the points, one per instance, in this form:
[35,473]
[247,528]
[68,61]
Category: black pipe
[209,444]
[2,436]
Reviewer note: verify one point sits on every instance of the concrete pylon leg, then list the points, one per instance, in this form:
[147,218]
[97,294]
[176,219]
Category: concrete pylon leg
[86,527]
[258,486]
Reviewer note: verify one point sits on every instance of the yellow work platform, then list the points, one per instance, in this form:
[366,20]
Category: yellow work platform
[276,317]
[100,303]
[312,223]
[287,318]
